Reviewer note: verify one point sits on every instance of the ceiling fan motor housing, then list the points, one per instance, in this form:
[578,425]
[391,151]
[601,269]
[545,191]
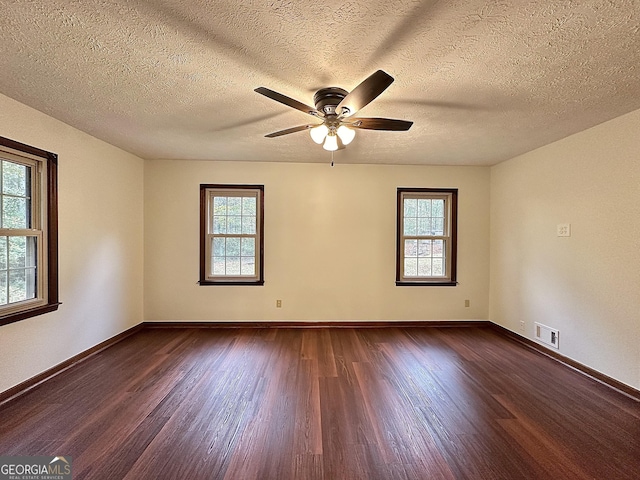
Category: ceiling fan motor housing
[327,99]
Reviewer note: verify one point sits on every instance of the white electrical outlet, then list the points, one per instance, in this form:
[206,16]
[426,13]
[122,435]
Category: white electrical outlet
[522,326]
[564,229]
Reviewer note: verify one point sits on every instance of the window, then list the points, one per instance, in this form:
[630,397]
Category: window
[231,234]
[426,236]
[28,231]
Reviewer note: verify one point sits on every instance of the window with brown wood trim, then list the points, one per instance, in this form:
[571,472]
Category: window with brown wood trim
[231,234]
[426,236]
[28,231]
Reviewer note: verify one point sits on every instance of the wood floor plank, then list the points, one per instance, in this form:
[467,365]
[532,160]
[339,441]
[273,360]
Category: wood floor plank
[403,403]
[326,358]
[308,425]
[401,435]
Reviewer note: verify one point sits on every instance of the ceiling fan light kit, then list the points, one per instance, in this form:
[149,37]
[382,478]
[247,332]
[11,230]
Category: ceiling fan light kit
[328,136]
[335,107]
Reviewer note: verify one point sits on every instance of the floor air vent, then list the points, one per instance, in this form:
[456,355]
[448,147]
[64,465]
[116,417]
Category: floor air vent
[547,335]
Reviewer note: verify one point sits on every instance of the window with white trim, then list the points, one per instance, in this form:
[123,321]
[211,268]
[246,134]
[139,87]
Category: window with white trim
[28,231]
[426,236]
[231,226]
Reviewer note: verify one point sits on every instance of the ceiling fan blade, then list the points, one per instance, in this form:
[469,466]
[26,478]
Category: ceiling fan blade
[290,102]
[290,130]
[380,124]
[364,93]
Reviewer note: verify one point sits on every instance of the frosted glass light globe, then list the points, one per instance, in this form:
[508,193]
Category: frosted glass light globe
[319,133]
[346,134]
[331,143]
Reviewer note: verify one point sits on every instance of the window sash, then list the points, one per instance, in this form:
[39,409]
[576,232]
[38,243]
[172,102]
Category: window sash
[34,219]
[38,286]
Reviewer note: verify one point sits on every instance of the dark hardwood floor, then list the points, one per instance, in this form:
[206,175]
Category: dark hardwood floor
[326,403]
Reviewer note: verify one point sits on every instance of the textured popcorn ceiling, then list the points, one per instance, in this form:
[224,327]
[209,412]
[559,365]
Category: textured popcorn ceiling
[482,81]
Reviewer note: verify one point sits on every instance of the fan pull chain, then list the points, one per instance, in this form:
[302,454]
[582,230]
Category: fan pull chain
[332,158]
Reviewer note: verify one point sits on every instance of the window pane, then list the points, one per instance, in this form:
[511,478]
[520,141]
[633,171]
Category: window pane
[424,267]
[3,253]
[15,179]
[220,205]
[219,224]
[15,212]
[438,267]
[424,207]
[438,248]
[234,206]
[233,265]
[17,252]
[32,290]
[410,207]
[248,248]
[218,266]
[437,225]
[410,267]
[18,286]
[249,206]
[248,225]
[424,248]
[410,226]
[233,247]
[248,266]
[424,226]
[30,260]
[410,248]
[437,208]
[218,247]
[3,287]
[234,224]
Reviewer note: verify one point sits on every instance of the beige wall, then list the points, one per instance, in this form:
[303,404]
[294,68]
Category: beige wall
[329,244]
[100,246]
[587,285]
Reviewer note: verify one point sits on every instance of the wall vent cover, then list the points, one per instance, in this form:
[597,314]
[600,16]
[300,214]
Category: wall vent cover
[547,335]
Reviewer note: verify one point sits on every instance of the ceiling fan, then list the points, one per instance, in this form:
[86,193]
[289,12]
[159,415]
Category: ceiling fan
[335,107]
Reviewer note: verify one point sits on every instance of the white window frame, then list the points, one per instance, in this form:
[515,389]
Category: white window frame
[43,218]
[207,194]
[449,236]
